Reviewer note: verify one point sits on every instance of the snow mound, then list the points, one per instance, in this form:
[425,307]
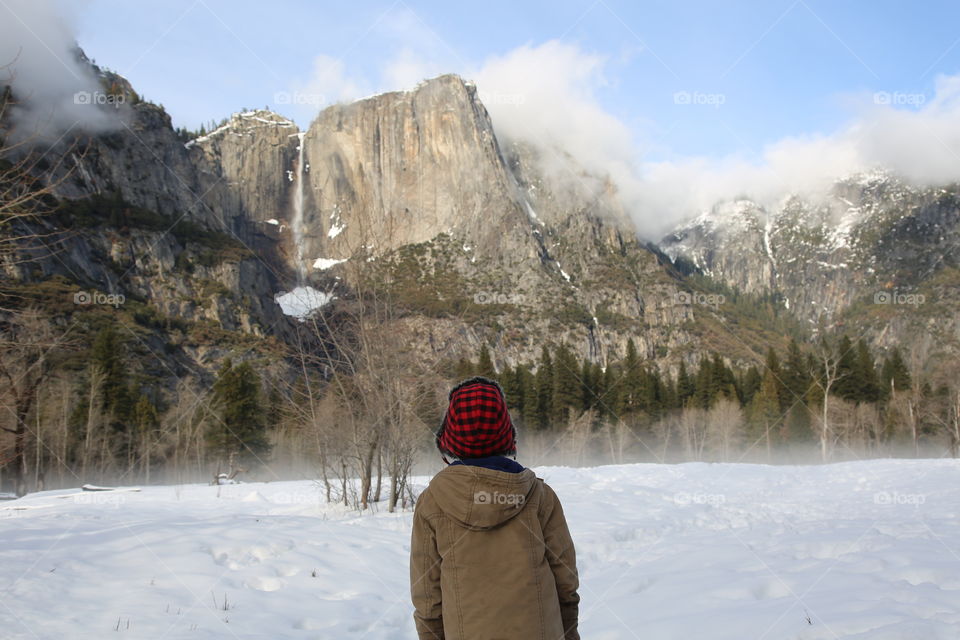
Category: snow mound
[302,301]
[326,263]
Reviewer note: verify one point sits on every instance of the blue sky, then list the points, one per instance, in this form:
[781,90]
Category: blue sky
[778,68]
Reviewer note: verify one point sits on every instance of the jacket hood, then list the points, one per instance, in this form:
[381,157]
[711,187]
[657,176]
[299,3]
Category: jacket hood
[480,498]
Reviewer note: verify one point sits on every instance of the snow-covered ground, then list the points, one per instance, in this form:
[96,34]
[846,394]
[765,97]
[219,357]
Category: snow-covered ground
[865,550]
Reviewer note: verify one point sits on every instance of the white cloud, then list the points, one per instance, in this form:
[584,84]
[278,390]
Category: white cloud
[547,95]
[53,90]
[923,144]
[416,53]
[328,84]
[916,139]
[559,107]
[406,69]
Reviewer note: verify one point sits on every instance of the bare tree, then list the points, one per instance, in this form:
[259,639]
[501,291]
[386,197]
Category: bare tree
[181,441]
[360,391]
[618,436]
[724,428]
[867,432]
[664,430]
[825,374]
[952,424]
[576,436]
[693,430]
[28,348]
[946,412]
[912,400]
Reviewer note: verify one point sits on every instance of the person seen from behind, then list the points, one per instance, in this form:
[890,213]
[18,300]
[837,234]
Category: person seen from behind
[491,557]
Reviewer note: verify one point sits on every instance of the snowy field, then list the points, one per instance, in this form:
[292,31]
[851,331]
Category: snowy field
[854,550]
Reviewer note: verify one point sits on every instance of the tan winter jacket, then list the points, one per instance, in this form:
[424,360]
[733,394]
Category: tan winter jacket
[491,559]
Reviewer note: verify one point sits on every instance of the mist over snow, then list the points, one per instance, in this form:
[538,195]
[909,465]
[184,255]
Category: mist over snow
[54,91]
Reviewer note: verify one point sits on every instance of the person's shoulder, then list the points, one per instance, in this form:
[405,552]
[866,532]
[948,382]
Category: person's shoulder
[426,503]
[548,491]
[549,500]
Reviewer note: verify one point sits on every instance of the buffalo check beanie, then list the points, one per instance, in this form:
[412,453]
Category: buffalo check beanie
[477,423]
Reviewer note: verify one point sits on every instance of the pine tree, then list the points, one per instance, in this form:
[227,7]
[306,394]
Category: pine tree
[859,382]
[511,383]
[567,391]
[588,386]
[145,415]
[528,387]
[750,384]
[867,383]
[241,427]
[796,374]
[464,369]
[668,401]
[611,391]
[650,392]
[598,400]
[773,366]
[108,356]
[894,374]
[544,387]
[685,386]
[703,391]
[146,423]
[846,382]
[485,364]
[764,410]
[275,408]
[722,381]
[630,383]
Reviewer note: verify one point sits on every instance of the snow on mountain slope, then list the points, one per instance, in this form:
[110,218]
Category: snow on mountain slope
[851,550]
[822,254]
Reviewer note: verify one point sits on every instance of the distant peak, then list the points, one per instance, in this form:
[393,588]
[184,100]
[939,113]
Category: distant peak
[450,79]
[245,120]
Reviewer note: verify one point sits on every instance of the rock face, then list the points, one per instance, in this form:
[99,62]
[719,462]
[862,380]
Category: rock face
[140,159]
[244,169]
[399,168]
[425,167]
[730,242]
[175,229]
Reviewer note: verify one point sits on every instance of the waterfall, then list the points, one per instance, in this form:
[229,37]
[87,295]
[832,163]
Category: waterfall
[297,222]
[303,300]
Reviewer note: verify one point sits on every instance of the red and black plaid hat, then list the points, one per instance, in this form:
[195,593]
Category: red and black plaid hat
[477,423]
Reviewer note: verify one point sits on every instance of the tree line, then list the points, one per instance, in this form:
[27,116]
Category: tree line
[838,395]
[82,415]
[363,407]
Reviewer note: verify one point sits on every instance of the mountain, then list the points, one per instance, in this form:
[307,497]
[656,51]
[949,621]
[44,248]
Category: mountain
[874,254]
[476,242]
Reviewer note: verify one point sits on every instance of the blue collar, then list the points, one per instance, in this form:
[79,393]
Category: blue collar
[496,463]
